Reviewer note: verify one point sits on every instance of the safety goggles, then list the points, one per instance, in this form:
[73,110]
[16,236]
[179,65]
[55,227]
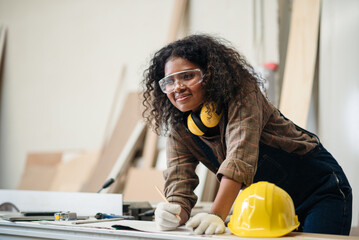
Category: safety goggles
[186,78]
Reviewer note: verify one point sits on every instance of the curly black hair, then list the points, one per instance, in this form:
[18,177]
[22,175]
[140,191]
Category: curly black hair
[227,74]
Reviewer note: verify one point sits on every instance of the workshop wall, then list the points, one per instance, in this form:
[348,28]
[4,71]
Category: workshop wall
[339,89]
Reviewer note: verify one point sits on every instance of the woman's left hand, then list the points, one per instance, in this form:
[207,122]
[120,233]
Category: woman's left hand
[206,223]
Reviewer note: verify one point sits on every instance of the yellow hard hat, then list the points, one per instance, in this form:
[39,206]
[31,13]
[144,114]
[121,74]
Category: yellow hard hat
[263,210]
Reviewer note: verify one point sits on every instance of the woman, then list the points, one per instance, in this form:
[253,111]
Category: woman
[207,98]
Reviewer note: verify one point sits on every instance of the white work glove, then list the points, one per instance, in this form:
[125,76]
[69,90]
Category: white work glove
[206,223]
[165,216]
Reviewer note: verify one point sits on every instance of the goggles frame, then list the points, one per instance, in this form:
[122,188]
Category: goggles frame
[162,82]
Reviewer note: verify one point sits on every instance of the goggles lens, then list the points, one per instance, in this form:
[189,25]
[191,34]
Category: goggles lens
[187,78]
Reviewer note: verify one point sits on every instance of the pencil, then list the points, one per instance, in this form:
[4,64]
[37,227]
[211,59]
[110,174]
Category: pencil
[165,199]
[97,220]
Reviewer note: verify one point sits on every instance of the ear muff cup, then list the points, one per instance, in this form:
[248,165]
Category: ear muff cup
[195,126]
[200,123]
[210,116]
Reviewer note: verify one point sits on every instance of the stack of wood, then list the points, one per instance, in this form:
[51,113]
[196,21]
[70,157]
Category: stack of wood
[129,157]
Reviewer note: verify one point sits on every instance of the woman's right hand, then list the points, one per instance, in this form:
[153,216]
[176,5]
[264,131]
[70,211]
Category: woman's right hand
[165,216]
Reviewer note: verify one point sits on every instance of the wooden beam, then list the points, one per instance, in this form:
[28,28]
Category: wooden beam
[109,124]
[300,61]
[123,163]
[179,10]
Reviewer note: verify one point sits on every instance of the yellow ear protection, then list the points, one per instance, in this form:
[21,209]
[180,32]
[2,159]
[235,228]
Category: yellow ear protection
[199,123]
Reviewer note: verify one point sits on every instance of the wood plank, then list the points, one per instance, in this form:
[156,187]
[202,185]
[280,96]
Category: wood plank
[110,119]
[126,123]
[123,163]
[300,61]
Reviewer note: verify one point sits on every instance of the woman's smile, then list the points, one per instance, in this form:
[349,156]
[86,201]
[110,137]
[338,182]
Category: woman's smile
[182,97]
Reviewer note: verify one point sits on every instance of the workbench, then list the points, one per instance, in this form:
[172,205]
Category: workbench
[35,230]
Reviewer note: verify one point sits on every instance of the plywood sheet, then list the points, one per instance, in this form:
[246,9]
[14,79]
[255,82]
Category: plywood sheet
[40,170]
[71,175]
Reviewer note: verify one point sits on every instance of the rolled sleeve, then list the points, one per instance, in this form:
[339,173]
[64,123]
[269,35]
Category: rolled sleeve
[239,171]
[243,133]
